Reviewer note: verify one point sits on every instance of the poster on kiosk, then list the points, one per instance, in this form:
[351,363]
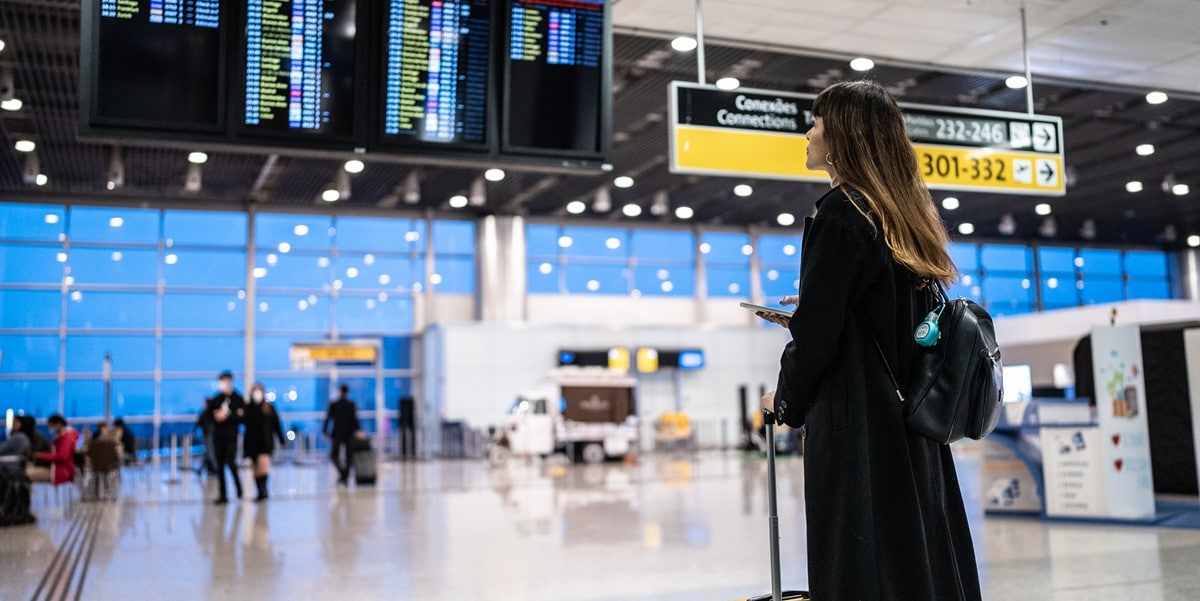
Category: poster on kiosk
[1115,475]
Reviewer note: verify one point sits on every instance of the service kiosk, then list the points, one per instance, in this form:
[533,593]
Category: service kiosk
[1074,459]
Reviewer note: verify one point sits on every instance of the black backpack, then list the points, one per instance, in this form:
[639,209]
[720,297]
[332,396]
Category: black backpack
[956,388]
[14,494]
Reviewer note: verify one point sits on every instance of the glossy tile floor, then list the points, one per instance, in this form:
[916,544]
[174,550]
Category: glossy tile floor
[675,528]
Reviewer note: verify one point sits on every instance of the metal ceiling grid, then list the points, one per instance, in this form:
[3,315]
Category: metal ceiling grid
[1102,127]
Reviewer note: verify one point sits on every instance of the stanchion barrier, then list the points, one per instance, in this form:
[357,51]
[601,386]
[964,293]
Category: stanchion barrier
[173,474]
[187,451]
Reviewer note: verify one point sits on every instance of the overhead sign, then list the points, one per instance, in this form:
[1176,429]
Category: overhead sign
[302,355]
[760,133]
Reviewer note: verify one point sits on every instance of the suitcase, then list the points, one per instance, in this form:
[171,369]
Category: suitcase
[777,594]
[364,463]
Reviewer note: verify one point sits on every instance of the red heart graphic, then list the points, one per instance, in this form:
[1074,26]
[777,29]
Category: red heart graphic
[1119,463]
[1116,439]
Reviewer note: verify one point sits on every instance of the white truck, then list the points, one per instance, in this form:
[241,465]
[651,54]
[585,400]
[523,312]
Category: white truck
[587,413]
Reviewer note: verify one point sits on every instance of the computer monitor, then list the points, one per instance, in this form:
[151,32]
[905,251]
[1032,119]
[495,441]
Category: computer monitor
[1018,383]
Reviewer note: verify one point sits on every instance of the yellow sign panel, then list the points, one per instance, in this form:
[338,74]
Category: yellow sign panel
[986,169]
[719,151]
[303,353]
[618,358]
[760,133]
[647,360]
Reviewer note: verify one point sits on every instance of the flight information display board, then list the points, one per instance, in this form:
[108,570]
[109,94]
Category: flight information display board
[476,83]
[299,68]
[554,63]
[159,64]
[436,72]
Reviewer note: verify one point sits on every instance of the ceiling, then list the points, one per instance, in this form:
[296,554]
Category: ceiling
[1103,121]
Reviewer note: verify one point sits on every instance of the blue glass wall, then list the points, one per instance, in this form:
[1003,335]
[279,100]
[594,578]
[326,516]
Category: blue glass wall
[164,293]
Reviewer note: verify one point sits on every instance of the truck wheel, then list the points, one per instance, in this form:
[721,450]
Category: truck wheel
[498,454]
[593,452]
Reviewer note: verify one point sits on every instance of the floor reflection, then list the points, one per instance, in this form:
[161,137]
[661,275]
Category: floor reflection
[670,527]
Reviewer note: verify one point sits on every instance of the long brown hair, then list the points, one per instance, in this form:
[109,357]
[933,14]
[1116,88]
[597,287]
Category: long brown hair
[871,152]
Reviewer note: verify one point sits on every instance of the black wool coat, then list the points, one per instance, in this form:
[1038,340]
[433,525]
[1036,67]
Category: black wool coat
[263,428]
[884,511]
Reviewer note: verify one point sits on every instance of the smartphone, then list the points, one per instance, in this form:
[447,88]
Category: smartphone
[772,310]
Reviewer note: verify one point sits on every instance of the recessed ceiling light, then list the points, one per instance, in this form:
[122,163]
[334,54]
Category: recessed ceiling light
[1180,189]
[631,210]
[623,182]
[1144,150]
[2,45]
[25,146]
[331,195]
[785,219]
[950,203]
[684,212]
[966,229]
[1016,82]
[565,241]
[1193,241]
[116,222]
[493,175]
[1042,209]
[1156,97]
[12,104]
[743,190]
[458,201]
[728,83]
[1133,186]
[862,64]
[300,230]
[575,207]
[684,43]
[197,158]
[41,180]
[354,166]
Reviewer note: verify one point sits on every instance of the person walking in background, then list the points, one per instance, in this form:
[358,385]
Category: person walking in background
[17,443]
[205,424]
[125,438]
[61,456]
[225,411]
[885,514]
[262,429]
[37,442]
[343,415]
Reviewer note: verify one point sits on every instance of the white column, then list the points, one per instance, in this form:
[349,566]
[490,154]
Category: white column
[500,255]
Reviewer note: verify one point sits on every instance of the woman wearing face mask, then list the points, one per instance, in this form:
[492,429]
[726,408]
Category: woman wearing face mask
[262,428]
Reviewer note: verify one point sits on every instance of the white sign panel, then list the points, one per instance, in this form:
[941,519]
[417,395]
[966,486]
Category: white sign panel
[1008,487]
[1121,407]
[1072,472]
[1191,349]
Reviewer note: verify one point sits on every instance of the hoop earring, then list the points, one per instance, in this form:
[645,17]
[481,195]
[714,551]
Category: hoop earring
[829,159]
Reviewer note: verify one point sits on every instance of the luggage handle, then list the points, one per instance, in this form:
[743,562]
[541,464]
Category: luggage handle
[772,508]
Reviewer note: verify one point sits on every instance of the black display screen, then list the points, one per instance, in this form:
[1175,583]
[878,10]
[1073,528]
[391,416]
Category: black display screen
[445,81]
[554,65]
[158,64]
[437,62]
[299,67]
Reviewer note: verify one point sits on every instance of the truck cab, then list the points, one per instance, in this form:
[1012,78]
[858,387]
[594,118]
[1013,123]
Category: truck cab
[588,414]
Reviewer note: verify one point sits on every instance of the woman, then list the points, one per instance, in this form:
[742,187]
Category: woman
[262,428]
[884,511]
[61,456]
